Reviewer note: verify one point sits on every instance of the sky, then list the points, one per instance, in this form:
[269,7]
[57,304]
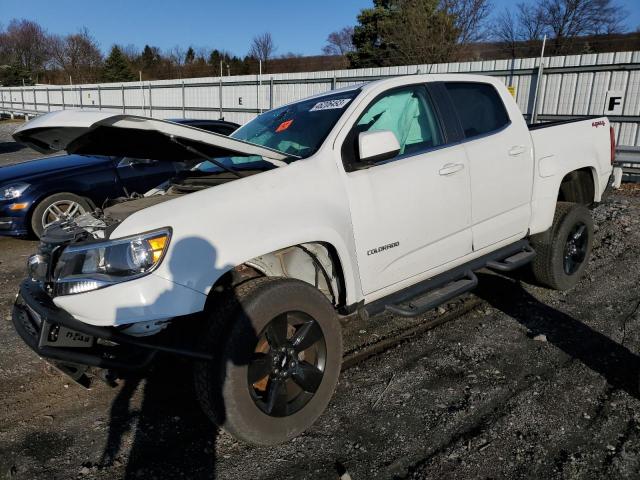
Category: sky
[298,26]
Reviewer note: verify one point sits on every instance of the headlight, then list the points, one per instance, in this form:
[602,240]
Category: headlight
[14,190]
[83,268]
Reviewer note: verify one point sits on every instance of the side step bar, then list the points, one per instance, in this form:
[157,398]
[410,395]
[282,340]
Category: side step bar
[433,298]
[514,261]
[427,294]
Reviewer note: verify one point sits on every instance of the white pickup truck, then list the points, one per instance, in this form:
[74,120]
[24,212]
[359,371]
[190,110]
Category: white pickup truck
[384,196]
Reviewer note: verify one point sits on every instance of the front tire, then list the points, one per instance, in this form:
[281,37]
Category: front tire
[277,345]
[563,251]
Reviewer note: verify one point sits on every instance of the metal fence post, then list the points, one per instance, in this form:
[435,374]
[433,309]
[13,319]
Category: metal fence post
[80,95]
[150,102]
[271,93]
[259,88]
[183,115]
[35,103]
[48,101]
[22,96]
[99,98]
[220,89]
[62,93]
[333,83]
[124,110]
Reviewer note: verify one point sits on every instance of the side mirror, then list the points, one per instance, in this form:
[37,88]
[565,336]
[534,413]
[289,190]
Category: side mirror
[377,146]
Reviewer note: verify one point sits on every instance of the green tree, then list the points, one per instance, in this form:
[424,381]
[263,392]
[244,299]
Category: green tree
[150,58]
[14,76]
[116,67]
[401,32]
[370,48]
[190,56]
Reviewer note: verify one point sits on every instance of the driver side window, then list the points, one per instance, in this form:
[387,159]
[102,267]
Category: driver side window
[409,114]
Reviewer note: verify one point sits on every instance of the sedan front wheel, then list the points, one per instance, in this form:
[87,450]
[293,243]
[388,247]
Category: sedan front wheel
[61,206]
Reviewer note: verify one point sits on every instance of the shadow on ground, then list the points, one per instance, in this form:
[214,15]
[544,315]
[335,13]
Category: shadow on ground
[10,147]
[615,362]
[172,438]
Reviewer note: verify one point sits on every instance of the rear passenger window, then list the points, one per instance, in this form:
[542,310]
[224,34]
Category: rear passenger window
[479,107]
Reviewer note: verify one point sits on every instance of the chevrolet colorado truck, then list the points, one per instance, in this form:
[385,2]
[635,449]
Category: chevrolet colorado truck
[379,197]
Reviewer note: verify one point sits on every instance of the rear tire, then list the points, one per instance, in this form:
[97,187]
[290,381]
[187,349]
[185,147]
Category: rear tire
[253,389]
[563,251]
[57,205]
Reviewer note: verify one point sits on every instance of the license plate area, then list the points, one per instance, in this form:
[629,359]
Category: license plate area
[54,335]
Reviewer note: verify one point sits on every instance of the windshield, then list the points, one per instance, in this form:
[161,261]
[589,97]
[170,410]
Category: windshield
[297,129]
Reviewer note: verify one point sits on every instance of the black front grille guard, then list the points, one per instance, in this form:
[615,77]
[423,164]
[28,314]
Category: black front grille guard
[33,306]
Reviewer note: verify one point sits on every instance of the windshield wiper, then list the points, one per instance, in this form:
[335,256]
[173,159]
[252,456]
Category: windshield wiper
[207,157]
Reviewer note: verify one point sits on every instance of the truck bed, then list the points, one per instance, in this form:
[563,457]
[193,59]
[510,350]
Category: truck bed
[538,126]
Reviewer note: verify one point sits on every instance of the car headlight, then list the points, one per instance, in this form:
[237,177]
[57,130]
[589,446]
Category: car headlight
[14,190]
[82,268]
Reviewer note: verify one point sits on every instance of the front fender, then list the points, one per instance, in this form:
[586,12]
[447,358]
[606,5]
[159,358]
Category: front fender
[216,229]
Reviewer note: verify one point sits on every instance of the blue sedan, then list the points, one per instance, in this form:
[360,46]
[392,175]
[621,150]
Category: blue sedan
[36,193]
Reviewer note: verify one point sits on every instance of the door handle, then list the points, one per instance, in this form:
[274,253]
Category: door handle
[450,168]
[517,150]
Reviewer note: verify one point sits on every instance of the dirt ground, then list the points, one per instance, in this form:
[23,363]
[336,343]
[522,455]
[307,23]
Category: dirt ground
[531,384]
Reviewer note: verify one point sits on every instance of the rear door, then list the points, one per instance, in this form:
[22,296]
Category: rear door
[500,160]
[411,213]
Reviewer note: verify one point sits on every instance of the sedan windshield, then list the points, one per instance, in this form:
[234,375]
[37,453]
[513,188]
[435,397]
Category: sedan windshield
[297,129]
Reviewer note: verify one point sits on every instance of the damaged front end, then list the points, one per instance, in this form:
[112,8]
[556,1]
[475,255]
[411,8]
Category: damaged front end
[75,256]
[79,256]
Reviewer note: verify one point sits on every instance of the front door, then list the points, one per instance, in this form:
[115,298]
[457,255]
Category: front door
[412,213]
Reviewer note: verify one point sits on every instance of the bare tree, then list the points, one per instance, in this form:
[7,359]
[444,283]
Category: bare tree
[469,17]
[568,19]
[531,21]
[131,51]
[506,30]
[176,55]
[262,47]
[340,42]
[26,44]
[78,55]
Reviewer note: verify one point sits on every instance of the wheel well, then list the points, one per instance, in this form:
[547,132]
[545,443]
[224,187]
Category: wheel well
[578,187]
[316,263]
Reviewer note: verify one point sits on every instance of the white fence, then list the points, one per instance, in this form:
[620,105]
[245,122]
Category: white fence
[571,86]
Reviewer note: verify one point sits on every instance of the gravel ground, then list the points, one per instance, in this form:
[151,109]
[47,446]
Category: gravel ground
[10,151]
[532,384]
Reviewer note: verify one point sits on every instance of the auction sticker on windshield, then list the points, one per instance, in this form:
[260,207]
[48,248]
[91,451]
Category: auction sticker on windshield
[283,126]
[330,104]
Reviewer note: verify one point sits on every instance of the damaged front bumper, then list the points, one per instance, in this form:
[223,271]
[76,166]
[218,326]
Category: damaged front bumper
[72,345]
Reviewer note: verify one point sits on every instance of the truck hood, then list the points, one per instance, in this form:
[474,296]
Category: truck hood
[118,135]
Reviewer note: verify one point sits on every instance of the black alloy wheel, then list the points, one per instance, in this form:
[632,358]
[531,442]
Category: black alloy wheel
[288,364]
[277,347]
[562,252]
[575,250]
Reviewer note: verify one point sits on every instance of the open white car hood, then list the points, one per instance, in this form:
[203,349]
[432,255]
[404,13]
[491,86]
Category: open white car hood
[118,135]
